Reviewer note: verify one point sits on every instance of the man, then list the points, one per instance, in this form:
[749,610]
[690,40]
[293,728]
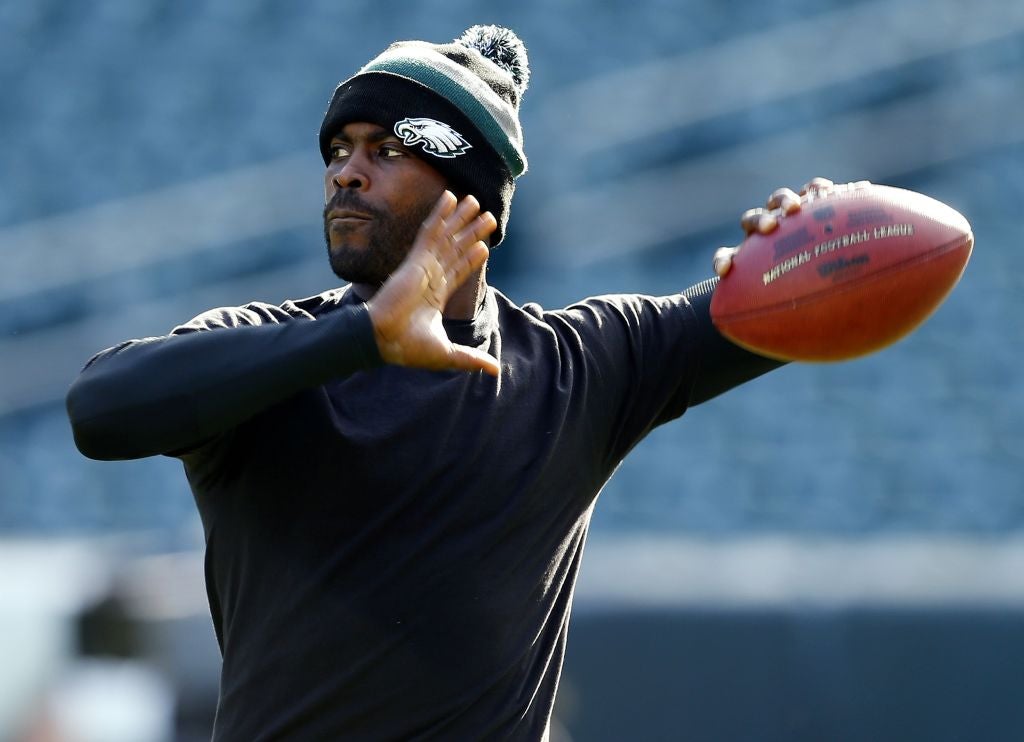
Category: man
[396,478]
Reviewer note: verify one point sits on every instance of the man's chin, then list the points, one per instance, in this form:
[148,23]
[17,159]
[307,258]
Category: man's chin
[365,259]
[351,271]
[354,277]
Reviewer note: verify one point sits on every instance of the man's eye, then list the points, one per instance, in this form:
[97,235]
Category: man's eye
[391,150]
[338,151]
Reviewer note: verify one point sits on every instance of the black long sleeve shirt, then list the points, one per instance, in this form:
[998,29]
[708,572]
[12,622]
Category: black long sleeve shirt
[391,552]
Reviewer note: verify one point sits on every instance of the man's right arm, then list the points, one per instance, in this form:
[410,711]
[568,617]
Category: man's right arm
[169,394]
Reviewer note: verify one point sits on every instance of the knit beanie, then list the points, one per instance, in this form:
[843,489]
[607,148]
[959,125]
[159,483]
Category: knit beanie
[456,105]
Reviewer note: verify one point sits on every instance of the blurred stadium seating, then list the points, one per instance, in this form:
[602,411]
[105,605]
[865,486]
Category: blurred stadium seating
[159,158]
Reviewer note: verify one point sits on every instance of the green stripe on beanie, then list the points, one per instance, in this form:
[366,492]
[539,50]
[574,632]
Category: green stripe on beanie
[493,117]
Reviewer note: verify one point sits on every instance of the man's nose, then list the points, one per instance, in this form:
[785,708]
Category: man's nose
[351,174]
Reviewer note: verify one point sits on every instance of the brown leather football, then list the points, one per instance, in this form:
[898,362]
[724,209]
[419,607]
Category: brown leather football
[856,269]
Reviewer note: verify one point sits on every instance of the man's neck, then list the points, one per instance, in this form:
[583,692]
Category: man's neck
[461,305]
[467,298]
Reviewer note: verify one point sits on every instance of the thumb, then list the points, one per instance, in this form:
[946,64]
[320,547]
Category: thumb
[464,358]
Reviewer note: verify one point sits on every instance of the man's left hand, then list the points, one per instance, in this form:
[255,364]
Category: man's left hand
[782,202]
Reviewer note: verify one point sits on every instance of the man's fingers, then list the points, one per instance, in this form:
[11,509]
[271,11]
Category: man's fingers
[816,185]
[758,220]
[433,227]
[448,258]
[466,211]
[782,202]
[767,222]
[443,209]
[451,227]
[461,254]
[479,229]
[472,258]
[464,358]
[749,219]
[785,200]
[722,261]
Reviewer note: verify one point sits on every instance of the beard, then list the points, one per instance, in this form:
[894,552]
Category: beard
[387,239]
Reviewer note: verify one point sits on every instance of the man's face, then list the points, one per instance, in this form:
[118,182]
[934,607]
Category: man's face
[376,193]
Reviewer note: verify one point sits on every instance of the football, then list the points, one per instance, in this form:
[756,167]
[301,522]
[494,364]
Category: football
[855,269]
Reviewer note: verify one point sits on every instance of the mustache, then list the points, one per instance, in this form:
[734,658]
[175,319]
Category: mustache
[347,198]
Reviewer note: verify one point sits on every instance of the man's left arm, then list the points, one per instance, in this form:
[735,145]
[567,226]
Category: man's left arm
[722,364]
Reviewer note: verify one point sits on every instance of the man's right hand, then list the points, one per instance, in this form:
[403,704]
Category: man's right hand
[406,310]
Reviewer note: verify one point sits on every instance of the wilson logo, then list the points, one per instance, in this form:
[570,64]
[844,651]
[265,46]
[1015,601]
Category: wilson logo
[435,137]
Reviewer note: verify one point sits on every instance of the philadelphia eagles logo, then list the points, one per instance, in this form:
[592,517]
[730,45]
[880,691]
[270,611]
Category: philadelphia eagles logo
[437,138]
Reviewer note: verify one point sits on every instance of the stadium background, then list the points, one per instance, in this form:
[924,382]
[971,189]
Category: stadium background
[832,552]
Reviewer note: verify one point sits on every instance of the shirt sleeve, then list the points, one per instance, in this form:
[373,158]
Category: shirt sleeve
[170,394]
[632,366]
[643,360]
[722,365]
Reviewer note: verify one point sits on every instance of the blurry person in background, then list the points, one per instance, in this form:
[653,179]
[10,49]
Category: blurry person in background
[396,477]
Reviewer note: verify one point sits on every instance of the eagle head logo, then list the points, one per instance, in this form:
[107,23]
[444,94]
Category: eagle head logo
[435,137]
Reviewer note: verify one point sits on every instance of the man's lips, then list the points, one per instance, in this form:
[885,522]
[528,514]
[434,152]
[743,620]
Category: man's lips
[347,214]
